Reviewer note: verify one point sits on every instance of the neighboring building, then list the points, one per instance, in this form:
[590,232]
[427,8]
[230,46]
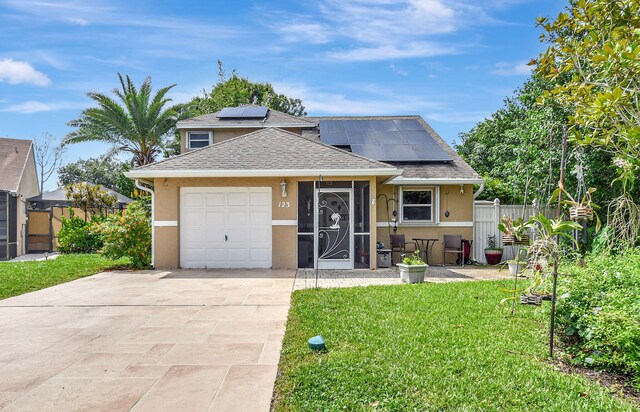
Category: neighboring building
[18,182]
[258,188]
[45,217]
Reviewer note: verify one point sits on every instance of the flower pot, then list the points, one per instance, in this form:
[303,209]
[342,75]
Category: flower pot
[519,266]
[412,273]
[531,300]
[581,213]
[493,256]
[510,240]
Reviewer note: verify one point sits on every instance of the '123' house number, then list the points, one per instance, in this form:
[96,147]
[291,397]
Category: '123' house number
[284,204]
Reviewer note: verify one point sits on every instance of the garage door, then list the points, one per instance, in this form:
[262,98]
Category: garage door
[225,227]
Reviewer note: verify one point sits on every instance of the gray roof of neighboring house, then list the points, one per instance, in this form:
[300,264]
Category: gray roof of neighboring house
[266,149]
[60,196]
[14,154]
[457,169]
[273,119]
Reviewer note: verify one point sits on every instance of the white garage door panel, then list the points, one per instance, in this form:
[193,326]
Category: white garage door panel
[192,199]
[241,214]
[215,199]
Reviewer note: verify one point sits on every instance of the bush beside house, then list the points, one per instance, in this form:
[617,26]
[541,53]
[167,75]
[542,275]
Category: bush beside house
[78,235]
[599,309]
[128,235]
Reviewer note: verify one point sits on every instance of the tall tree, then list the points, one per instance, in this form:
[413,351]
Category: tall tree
[104,170]
[233,90]
[597,42]
[48,155]
[138,124]
[517,149]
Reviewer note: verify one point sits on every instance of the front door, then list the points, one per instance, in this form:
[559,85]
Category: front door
[334,229]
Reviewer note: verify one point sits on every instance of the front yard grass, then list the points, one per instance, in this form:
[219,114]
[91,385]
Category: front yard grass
[17,278]
[429,347]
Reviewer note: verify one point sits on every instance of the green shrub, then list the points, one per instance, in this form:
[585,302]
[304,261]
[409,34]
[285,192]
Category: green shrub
[79,236]
[128,234]
[599,309]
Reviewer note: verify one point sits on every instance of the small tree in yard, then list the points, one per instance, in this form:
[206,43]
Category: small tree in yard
[48,155]
[128,235]
[91,198]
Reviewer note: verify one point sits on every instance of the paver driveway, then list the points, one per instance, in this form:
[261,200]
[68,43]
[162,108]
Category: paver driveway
[145,341]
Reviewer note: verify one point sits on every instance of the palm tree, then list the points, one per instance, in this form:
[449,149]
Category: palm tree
[138,126]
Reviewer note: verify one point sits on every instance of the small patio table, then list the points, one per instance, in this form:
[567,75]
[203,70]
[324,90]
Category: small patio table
[423,245]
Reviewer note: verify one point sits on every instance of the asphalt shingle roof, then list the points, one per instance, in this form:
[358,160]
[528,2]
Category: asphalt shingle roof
[13,157]
[273,119]
[266,149]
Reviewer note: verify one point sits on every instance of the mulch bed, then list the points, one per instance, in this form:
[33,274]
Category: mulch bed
[618,385]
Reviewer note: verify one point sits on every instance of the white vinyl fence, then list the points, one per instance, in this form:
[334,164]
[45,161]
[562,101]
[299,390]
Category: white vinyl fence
[487,215]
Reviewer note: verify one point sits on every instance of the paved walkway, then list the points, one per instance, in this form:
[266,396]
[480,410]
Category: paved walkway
[305,278]
[145,341]
[30,257]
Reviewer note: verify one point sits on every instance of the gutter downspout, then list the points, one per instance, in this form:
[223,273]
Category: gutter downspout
[475,196]
[153,220]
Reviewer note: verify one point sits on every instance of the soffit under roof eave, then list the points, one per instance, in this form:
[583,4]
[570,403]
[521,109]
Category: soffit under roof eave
[142,174]
[399,180]
[244,126]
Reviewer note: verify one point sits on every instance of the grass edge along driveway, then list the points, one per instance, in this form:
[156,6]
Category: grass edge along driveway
[426,347]
[17,278]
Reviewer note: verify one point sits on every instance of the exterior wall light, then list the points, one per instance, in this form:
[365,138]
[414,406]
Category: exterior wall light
[461,189]
[283,186]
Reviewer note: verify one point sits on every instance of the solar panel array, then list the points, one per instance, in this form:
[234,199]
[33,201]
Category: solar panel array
[400,140]
[249,112]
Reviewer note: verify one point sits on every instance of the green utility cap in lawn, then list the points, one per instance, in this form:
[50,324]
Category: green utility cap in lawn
[316,343]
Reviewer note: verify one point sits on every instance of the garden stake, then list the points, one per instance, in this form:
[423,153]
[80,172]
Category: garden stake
[555,262]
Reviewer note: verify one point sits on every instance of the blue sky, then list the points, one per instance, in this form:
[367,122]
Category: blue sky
[453,62]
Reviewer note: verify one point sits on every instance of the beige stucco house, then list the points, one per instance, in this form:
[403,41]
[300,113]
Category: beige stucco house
[18,182]
[258,188]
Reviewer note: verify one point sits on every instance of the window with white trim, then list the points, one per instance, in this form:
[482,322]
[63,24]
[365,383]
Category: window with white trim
[196,140]
[416,205]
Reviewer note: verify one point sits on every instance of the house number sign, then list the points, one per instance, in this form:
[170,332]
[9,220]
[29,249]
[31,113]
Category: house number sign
[284,204]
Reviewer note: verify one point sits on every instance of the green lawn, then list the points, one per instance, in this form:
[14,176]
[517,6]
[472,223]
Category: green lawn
[429,347]
[17,278]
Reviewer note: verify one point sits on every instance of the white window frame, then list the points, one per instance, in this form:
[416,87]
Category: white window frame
[210,133]
[432,204]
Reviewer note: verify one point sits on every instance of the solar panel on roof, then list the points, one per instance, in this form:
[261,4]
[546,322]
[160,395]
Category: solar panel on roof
[399,140]
[253,112]
[249,112]
[233,112]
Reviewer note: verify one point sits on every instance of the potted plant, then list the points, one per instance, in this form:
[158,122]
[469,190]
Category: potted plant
[412,269]
[492,253]
[581,208]
[544,251]
[514,231]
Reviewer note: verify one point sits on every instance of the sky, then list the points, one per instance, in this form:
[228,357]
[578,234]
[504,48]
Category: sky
[451,61]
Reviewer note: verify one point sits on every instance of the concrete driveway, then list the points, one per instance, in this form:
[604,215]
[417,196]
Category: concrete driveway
[146,341]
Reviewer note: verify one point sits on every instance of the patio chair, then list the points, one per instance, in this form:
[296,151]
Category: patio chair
[452,244]
[399,245]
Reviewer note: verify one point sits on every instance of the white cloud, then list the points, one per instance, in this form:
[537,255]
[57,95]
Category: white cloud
[398,71]
[458,117]
[33,106]
[380,29]
[391,51]
[313,33]
[376,101]
[78,20]
[512,69]
[16,72]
